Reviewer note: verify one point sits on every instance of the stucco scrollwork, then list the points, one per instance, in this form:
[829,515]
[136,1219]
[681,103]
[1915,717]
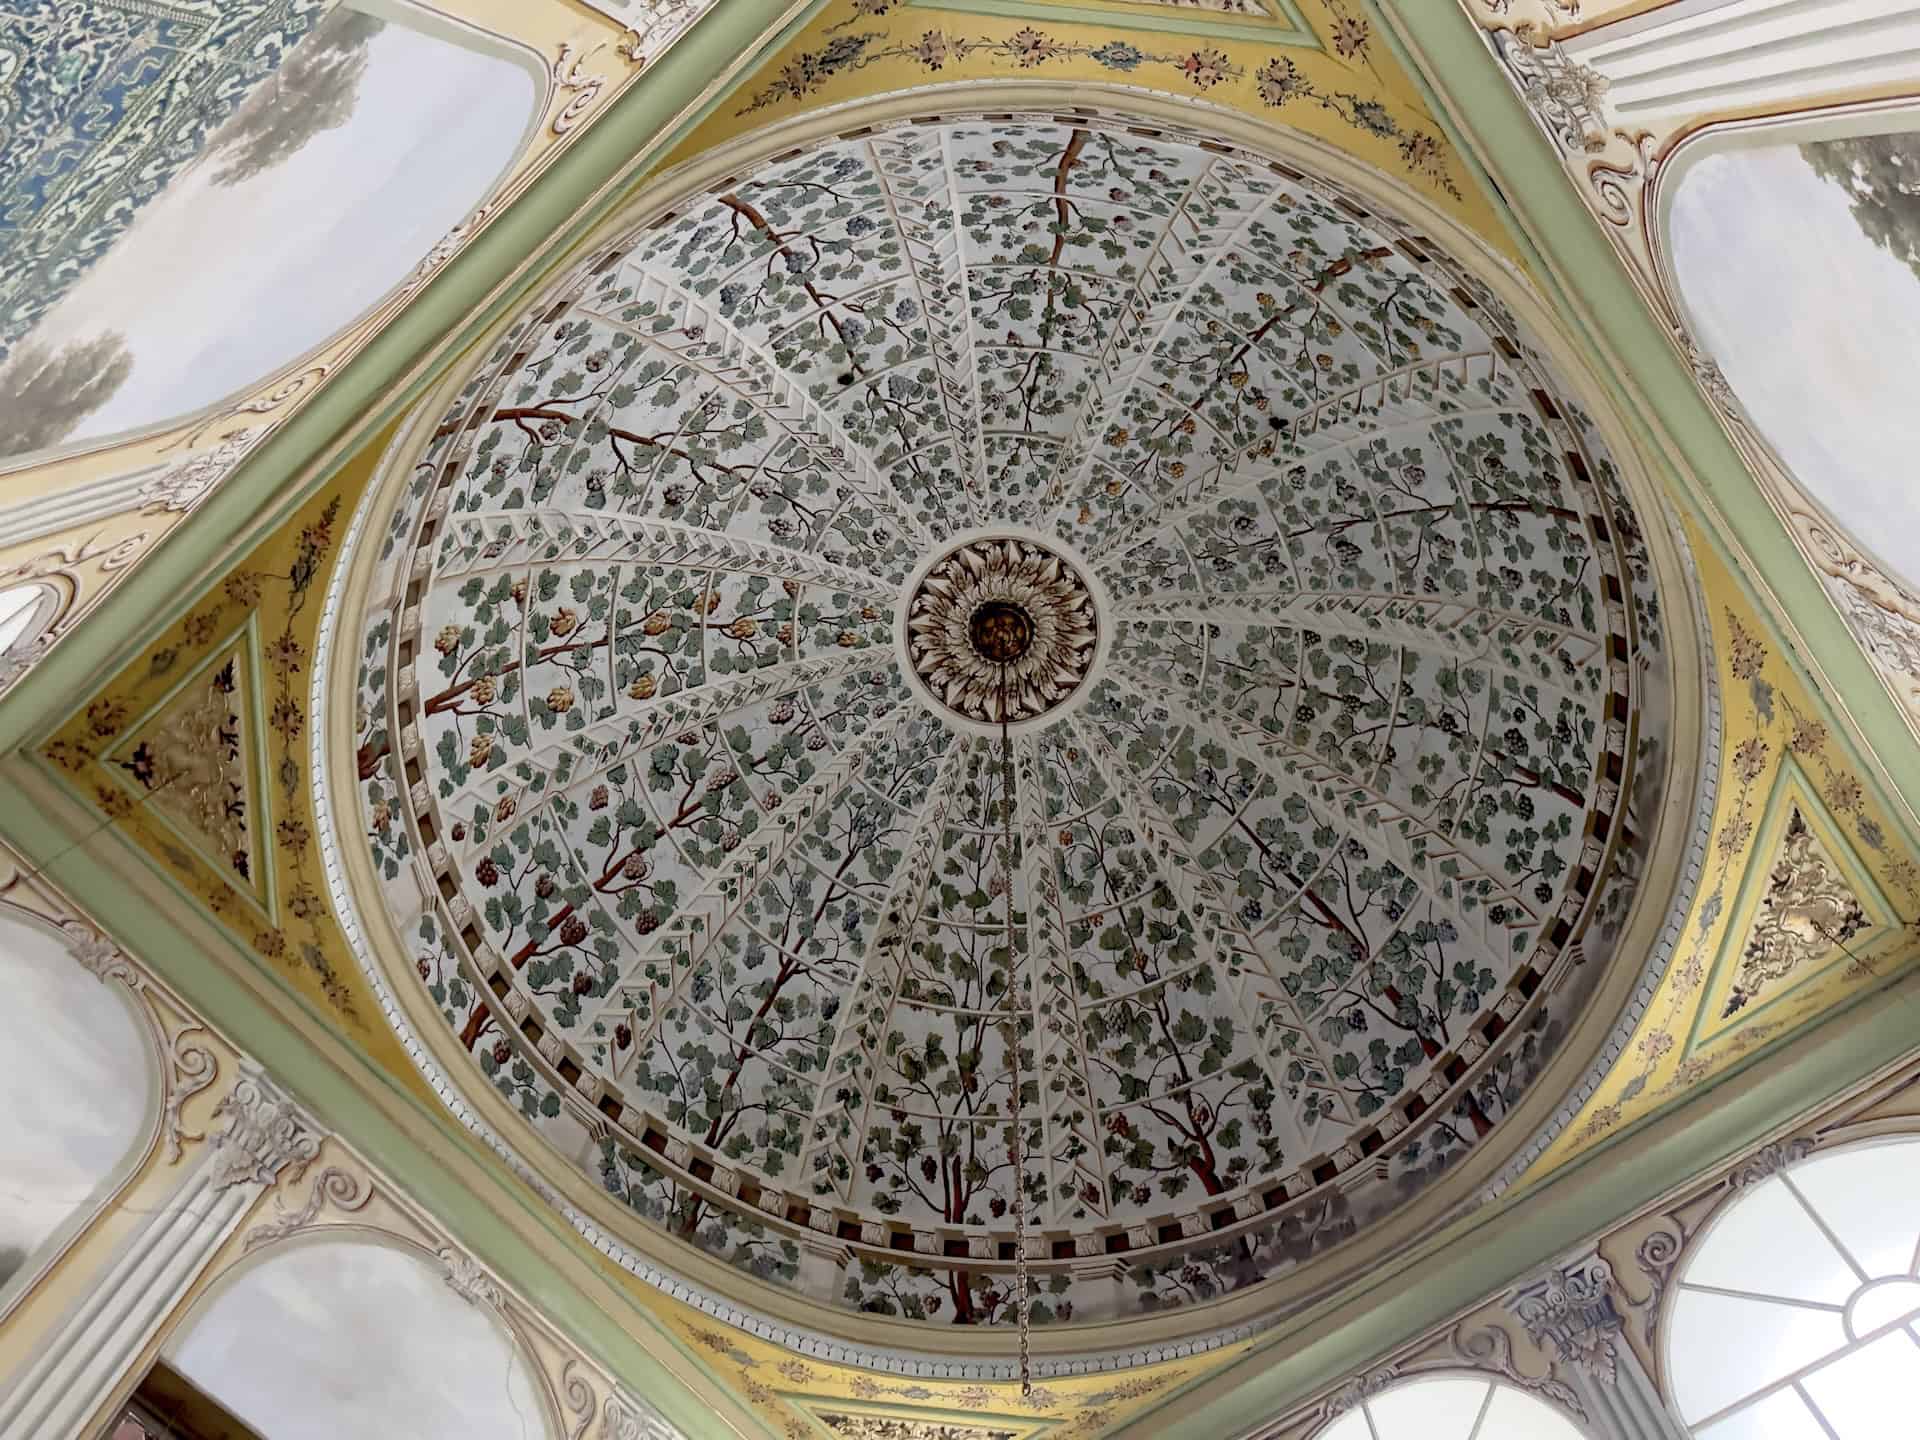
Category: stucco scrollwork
[342,1189]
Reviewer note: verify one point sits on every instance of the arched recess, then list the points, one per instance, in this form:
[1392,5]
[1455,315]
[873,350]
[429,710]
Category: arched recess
[84,1098]
[1452,1407]
[1791,248]
[320,1337]
[1816,1270]
[310,188]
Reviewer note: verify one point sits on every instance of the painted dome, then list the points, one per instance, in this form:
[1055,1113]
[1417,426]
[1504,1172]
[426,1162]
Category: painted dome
[1324,632]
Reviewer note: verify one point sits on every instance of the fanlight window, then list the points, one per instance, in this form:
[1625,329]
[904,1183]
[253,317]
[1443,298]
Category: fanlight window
[79,1090]
[1798,1315]
[268,182]
[1452,1408]
[333,1338]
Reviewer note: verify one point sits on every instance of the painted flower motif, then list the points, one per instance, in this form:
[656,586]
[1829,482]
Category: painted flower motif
[1734,836]
[931,50]
[1117,55]
[1374,118]
[1206,68]
[243,588]
[199,628]
[560,699]
[1349,37]
[1843,793]
[564,622]
[448,640]
[105,717]
[294,834]
[1029,47]
[286,717]
[1808,735]
[642,688]
[1750,759]
[1746,655]
[270,942]
[1278,81]
[286,655]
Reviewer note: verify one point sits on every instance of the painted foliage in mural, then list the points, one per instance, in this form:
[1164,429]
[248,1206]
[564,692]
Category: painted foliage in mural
[283,160]
[1817,368]
[731,891]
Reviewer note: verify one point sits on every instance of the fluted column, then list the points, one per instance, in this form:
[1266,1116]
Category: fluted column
[89,1352]
[1573,1312]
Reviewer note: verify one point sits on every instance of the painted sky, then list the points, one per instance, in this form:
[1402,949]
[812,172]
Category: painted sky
[214,287]
[1816,327]
[338,1341]
[77,1081]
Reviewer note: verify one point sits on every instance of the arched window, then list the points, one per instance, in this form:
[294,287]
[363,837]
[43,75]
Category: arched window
[1798,1313]
[1794,251]
[1452,1407]
[80,1091]
[334,1338]
[240,213]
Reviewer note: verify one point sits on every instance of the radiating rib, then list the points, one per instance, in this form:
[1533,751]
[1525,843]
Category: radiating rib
[1059,1041]
[1437,863]
[1433,624]
[1221,941]
[539,776]
[708,343]
[863,1028]
[937,260]
[501,540]
[682,943]
[1262,464]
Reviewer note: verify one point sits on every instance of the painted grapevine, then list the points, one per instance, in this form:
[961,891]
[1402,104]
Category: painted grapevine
[719,903]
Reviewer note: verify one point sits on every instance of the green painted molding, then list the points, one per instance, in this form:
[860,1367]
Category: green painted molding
[1285,27]
[442,1167]
[1578,272]
[492,275]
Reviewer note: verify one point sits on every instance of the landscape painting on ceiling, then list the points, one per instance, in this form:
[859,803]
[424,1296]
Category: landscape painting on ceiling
[1798,265]
[198,200]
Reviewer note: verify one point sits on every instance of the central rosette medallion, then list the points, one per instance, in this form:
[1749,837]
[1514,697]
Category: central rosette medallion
[1002,614]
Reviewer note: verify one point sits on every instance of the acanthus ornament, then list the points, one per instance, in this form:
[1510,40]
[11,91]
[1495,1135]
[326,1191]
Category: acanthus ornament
[265,1135]
[1883,614]
[183,483]
[468,1279]
[1767,1162]
[1570,1311]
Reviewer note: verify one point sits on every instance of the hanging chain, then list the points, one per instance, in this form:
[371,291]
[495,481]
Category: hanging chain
[1022,1291]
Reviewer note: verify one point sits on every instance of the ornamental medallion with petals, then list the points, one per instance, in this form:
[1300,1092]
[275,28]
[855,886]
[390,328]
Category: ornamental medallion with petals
[965,638]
